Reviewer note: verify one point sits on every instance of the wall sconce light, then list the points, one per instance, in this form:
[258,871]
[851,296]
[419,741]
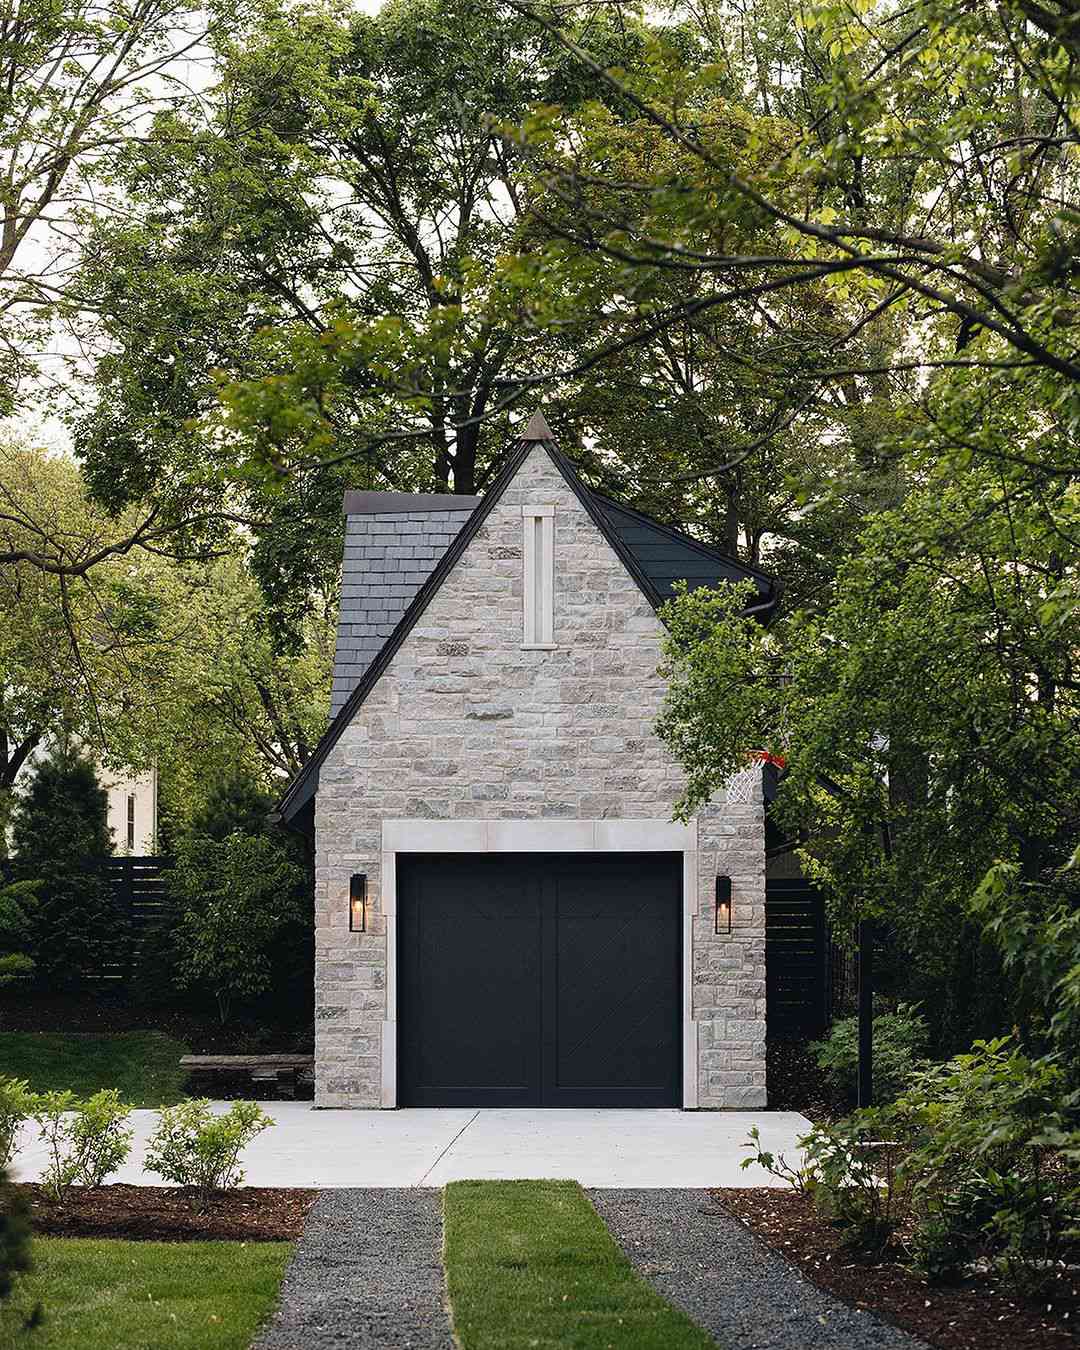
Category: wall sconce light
[358,903]
[723,904]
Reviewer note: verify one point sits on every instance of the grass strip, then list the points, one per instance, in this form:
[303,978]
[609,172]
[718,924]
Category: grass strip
[143,1065]
[531,1264]
[104,1294]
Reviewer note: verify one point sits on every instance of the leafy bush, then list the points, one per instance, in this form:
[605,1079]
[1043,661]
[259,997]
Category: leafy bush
[850,1168]
[236,895]
[87,1139]
[995,1162]
[1040,944]
[194,1146]
[980,1158]
[18,903]
[14,1235]
[17,1104]
[900,1040]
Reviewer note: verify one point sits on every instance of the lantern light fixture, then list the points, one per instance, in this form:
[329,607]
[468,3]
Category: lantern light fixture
[358,903]
[723,904]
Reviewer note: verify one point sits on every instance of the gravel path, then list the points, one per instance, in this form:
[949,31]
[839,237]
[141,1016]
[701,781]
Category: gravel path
[367,1273]
[707,1264]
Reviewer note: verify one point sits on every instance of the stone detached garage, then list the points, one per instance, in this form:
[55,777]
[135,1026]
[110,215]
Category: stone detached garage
[506,912]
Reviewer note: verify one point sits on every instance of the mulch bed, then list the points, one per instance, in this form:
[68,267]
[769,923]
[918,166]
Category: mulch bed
[164,1213]
[796,1083]
[975,1315]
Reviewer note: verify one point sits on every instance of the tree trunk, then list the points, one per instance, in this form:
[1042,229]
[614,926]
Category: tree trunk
[468,439]
[731,519]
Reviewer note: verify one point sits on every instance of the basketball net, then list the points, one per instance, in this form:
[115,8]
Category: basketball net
[743,787]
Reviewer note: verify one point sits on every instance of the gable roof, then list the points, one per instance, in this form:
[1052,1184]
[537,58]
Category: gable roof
[650,552]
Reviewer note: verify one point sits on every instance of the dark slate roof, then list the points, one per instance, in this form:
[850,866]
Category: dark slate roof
[436,529]
[393,541]
[665,555]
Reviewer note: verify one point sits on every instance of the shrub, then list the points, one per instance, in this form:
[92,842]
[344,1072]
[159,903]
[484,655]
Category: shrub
[979,1159]
[900,1039]
[196,1147]
[14,1235]
[850,1168]
[1040,945]
[18,903]
[87,1139]
[236,896]
[995,1162]
[17,1104]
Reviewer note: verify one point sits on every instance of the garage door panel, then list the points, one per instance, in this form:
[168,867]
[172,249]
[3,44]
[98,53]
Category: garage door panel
[616,1046]
[540,980]
[470,948]
[479,1021]
[614,985]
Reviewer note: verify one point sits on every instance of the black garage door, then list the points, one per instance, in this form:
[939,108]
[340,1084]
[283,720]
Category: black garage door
[539,980]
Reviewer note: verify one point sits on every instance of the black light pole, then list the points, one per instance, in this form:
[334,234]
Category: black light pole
[866,1012]
[866,990]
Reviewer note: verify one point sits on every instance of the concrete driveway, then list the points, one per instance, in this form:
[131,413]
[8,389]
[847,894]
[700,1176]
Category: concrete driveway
[429,1147]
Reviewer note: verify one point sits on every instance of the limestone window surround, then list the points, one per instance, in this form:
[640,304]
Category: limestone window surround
[538,589]
[612,836]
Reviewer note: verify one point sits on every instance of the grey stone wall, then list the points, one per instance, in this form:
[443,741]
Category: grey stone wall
[466,724]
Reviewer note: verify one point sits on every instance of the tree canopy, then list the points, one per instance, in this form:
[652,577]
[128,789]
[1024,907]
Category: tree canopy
[799,278]
[141,659]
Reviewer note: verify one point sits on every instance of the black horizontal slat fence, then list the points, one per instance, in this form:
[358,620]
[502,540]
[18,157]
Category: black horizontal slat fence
[139,890]
[141,883]
[798,962]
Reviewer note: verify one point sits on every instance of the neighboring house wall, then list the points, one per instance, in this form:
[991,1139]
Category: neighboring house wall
[120,791]
[132,812]
[467,726]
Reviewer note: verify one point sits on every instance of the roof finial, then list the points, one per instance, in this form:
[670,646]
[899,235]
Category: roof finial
[538,429]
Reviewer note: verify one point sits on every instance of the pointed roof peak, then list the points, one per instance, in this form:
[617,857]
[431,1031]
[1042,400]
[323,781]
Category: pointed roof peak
[538,429]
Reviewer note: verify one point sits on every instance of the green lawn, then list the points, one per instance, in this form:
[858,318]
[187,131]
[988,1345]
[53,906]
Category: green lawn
[530,1263]
[110,1295]
[143,1065]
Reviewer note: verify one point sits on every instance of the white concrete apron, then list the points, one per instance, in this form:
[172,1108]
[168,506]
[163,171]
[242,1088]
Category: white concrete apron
[428,1147]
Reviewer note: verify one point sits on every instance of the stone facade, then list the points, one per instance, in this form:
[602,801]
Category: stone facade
[466,725]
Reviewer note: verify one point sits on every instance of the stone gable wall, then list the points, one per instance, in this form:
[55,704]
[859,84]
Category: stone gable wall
[466,724]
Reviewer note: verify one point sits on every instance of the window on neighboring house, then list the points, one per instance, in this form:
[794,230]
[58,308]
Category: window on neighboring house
[131,822]
[539,575]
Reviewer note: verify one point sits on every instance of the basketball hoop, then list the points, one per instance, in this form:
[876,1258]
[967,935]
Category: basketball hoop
[742,787]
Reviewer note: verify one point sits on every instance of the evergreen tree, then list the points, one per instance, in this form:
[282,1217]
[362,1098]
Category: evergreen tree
[234,802]
[60,836]
[18,903]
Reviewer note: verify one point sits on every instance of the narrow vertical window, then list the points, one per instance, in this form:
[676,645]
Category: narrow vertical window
[131,822]
[539,576]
